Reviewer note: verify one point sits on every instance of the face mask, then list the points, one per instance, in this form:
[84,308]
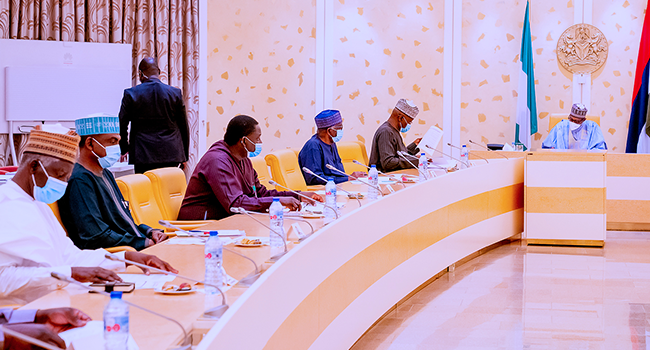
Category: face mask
[339,135]
[53,190]
[405,129]
[258,148]
[113,154]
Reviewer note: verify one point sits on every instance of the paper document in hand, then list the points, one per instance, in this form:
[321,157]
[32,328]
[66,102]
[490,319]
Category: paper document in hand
[432,139]
[146,282]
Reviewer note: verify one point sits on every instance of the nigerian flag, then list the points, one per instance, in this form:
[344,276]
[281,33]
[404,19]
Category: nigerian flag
[526,104]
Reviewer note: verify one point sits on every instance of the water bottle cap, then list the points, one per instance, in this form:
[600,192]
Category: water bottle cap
[422,153]
[276,199]
[464,145]
[116,295]
[214,233]
[330,178]
[373,166]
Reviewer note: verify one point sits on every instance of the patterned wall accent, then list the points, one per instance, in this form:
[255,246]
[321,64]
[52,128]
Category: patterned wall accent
[261,62]
[384,51]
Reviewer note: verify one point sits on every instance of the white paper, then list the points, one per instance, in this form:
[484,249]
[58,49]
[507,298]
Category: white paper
[196,241]
[206,233]
[90,337]
[431,139]
[141,281]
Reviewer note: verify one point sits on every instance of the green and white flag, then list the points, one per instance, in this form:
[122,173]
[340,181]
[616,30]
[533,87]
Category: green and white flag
[526,103]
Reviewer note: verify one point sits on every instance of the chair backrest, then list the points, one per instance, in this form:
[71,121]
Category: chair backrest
[137,190]
[557,117]
[55,210]
[259,164]
[169,186]
[286,170]
[352,150]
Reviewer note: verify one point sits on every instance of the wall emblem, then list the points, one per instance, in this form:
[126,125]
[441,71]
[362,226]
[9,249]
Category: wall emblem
[582,48]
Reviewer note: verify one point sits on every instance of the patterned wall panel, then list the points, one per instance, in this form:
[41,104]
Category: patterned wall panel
[261,62]
[384,51]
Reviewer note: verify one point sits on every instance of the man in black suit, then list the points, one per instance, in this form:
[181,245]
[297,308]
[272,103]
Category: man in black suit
[159,132]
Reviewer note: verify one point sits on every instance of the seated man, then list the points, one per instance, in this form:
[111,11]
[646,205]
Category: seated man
[388,141]
[224,177]
[39,324]
[93,210]
[576,133]
[32,242]
[321,150]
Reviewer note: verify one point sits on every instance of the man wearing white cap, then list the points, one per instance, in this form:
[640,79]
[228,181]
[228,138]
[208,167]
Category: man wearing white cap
[576,133]
[388,140]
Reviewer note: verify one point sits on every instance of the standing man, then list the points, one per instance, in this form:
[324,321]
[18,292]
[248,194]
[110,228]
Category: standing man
[159,134]
[388,141]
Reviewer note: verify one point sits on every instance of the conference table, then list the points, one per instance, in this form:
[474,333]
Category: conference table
[334,285]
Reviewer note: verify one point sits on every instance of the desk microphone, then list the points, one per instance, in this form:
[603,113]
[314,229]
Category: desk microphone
[28,339]
[246,281]
[445,154]
[330,167]
[290,218]
[186,341]
[396,178]
[237,210]
[404,154]
[274,183]
[305,169]
[468,151]
[502,155]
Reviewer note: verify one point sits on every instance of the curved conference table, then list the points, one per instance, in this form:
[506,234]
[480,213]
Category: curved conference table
[331,287]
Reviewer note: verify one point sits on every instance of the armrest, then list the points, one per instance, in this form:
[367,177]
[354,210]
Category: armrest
[120,249]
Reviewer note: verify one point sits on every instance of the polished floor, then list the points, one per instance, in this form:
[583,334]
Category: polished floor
[530,297]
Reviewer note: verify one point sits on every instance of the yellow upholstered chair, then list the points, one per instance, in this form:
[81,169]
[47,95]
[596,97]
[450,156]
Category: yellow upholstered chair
[352,150]
[55,210]
[259,164]
[169,186]
[557,117]
[286,170]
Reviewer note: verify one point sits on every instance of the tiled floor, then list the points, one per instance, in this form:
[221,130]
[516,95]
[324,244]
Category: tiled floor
[531,297]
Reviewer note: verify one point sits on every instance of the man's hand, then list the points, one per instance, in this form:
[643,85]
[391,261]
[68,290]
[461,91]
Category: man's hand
[158,236]
[290,202]
[417,141]
[124,157]
[62,319]
[94,274]
[359,174]
[149,260]
[316,197]
[39,331]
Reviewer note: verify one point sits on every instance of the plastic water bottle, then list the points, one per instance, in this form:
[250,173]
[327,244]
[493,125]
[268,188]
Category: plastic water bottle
[330,199]
[373,179]
[423,167]
[116,323]
[213,263]
[464,156]
[276,214]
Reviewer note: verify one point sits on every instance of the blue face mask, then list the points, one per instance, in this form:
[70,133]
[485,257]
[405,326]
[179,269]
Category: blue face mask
[113,154]
[258,148]
[53,190]
[405,129]
[339,135]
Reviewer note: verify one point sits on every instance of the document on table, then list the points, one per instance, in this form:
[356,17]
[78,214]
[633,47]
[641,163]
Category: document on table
[432,139]
[90,337]
[196,241]
[153,281]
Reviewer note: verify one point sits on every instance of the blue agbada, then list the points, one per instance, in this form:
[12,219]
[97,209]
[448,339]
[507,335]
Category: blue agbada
[588,136]
[314,155]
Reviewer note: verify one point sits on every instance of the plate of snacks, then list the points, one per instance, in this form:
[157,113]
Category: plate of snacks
[247,242]
[184,288]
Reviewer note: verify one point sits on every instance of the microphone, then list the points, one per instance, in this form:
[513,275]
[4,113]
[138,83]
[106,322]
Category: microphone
[215,312]
[247,213]
[28,339]
[404,154]
[502,155]
[468,151]
[186,341]
[305,169]
[246,281]
[291,218]
[445,154]
[396,178]
[274,183]
[330,167]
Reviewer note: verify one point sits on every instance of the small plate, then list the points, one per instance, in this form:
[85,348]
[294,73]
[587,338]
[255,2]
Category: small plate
[249,245]
[308,215]
[174,292]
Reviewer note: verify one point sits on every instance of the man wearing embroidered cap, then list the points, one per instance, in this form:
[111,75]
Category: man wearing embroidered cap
[321,149]
[93,210]
[576,133]
[32,242]
[388,141]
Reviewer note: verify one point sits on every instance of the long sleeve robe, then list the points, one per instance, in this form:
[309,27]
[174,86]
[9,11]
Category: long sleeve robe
[32,245]
[315,155]
[96,215]
[220,182]
[385,145]
[558,137]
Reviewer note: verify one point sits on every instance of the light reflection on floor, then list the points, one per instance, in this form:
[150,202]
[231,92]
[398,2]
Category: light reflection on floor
[531,297]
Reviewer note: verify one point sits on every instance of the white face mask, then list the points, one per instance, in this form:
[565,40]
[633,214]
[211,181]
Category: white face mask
[574,126]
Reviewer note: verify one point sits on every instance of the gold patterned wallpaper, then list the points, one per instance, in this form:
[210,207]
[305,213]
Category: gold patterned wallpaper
[262,57]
